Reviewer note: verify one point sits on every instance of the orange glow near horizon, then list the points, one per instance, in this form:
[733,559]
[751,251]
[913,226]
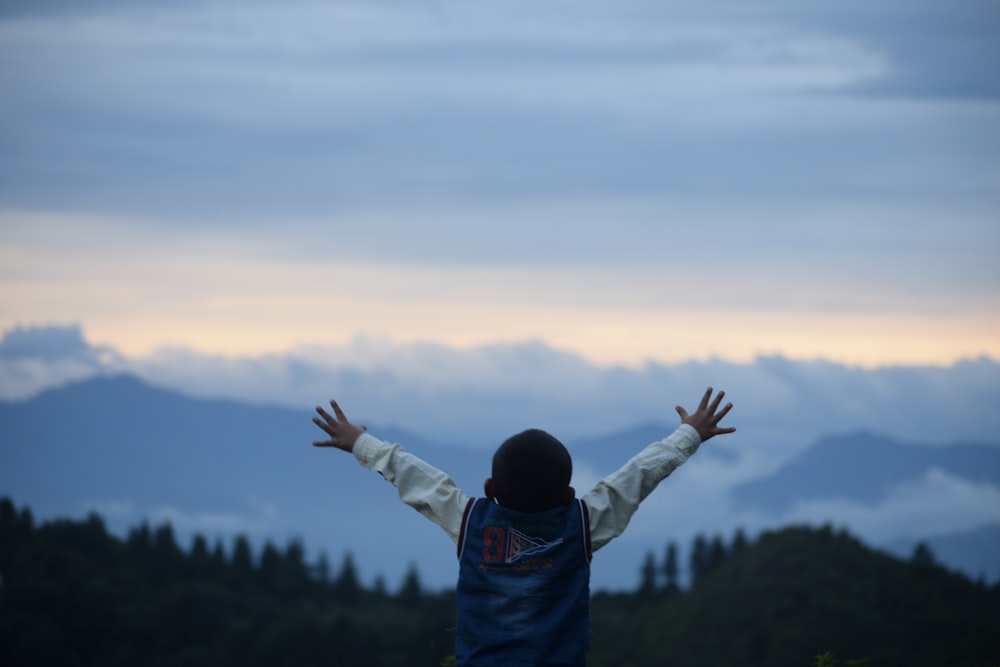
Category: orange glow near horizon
[148,293]
[608,338]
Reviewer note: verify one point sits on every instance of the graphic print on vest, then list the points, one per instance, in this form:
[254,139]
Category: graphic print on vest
[511,545]
[520,545]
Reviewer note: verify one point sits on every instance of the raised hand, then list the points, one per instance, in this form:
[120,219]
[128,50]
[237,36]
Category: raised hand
[706,418]
[343,434]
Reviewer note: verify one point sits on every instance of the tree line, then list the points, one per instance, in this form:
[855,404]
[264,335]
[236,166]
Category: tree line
[71,594]
[705,556]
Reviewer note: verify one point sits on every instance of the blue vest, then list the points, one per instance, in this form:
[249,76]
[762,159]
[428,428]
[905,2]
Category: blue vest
[523,593]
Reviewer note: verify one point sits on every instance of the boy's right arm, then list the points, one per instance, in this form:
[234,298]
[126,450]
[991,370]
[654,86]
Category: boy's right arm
[423,487]
[420,485]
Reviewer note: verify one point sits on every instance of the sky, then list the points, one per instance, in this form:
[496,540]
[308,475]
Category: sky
[630,182]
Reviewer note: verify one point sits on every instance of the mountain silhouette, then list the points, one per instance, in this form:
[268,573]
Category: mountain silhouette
[864,467]
[133,452]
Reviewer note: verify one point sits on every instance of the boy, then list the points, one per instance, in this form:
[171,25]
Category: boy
[523,593]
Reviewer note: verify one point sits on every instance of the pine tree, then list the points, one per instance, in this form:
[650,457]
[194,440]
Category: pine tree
[647,577]
[199,561]
[270,566]
[717,553]
[140,540]
[671,570]
[411,592]
[740,542]
[167,556]
[922,555]
[294,575]
[8,532]
[217,561]
[347,588]
[323,568]
[700,564]
[241,566]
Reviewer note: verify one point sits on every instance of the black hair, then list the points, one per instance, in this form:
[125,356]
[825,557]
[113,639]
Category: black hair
[531,471]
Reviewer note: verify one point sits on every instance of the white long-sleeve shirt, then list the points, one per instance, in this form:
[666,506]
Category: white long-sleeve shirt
[610,504]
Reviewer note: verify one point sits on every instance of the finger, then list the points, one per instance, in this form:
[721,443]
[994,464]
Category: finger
[329,428]
[727,429]
[716,401]
[704,400]
[682,412]
[324,443]
[326,416]
[340,413]
[724,411]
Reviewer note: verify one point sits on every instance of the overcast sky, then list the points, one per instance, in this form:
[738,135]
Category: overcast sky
[634,180]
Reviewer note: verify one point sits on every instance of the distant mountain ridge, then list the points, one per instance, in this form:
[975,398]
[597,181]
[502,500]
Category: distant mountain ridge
[221,467]
[87,430]
[132,451]
[873,464]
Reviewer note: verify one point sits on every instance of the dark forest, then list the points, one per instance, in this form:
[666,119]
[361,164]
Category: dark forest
[73,594]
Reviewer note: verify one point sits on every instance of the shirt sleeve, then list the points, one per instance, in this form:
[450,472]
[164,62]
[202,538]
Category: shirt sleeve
[420,485]
[613,501]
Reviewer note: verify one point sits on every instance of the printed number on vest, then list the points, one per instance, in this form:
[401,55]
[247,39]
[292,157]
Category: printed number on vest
[493,540]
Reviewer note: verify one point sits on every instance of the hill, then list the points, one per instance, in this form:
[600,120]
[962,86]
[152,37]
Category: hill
[73,594]
[797,592]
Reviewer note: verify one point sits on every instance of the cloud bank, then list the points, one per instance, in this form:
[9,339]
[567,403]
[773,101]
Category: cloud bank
[482,394]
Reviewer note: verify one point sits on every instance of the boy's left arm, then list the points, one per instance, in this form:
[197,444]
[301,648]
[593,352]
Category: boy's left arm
[420,485]
[616,498]
[613,501]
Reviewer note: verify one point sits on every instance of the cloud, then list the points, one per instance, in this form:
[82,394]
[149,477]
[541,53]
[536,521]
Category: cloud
[113,510]
[937,504]
[492,390]
[925,47]
[227,111]
[257,518]
[49,342]
[12,9]
[480,394]
[260,518]
[934,53]
[34,358]
[491,173]
[937,507]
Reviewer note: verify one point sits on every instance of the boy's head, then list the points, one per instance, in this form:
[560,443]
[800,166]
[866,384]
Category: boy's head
[531,472]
